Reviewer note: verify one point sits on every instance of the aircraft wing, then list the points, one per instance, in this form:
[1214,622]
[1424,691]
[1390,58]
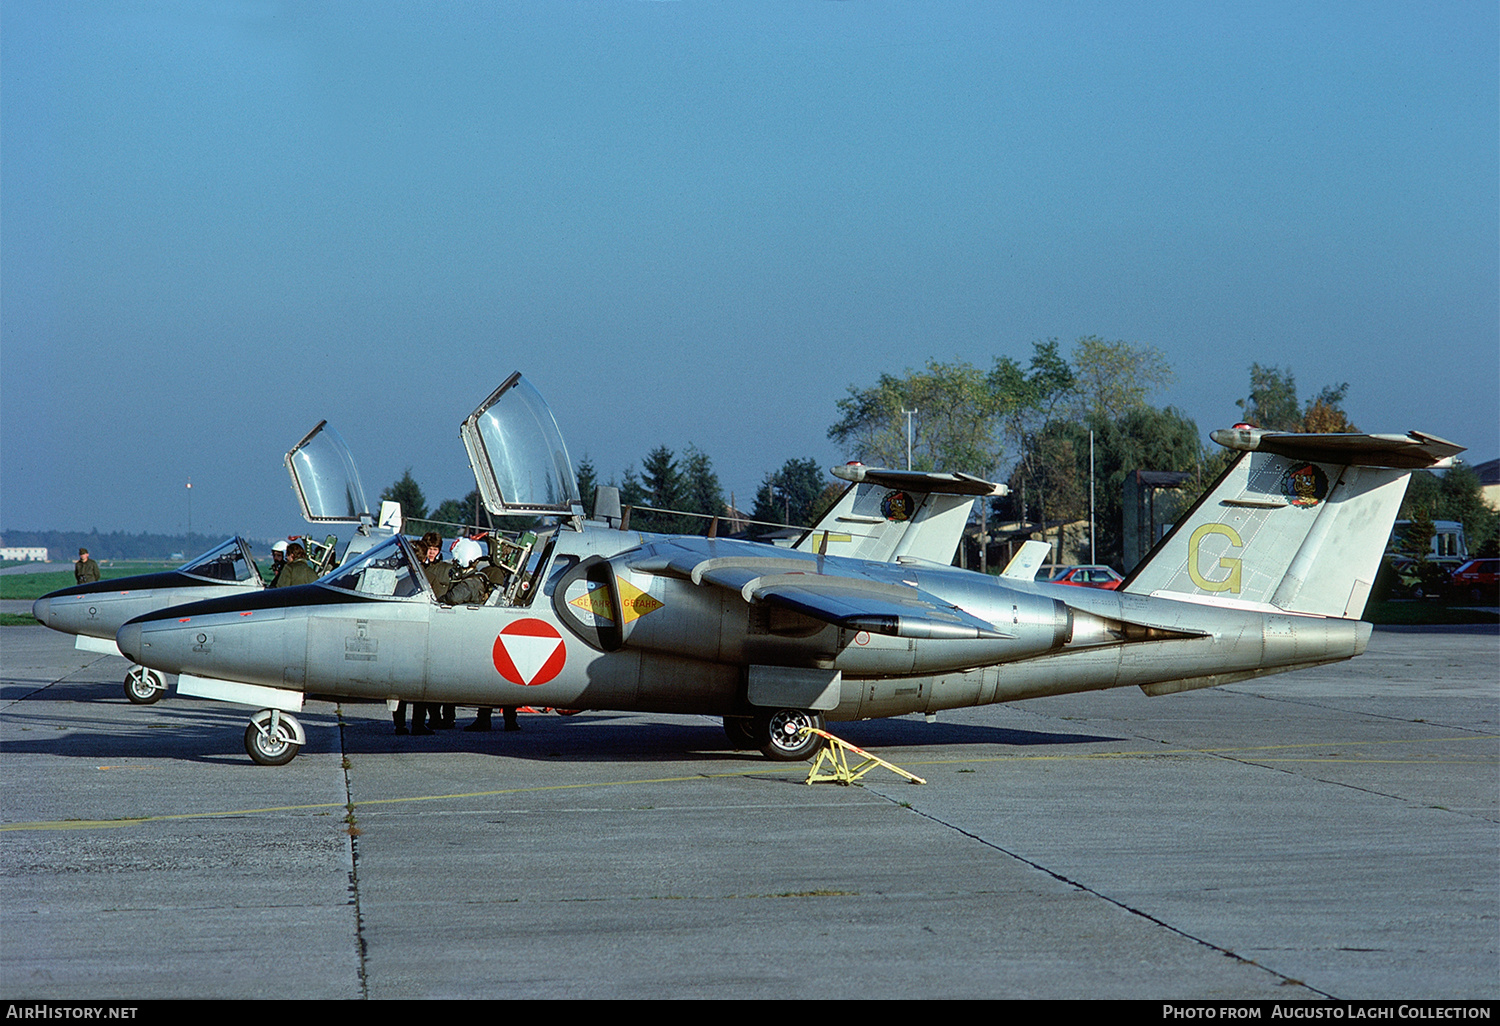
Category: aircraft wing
[862,605]
[856,603]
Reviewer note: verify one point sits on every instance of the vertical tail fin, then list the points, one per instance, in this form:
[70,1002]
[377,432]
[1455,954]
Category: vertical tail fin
[1298,522]
[1027,561]
[890,514]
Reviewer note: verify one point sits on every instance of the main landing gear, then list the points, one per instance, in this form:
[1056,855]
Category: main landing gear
[777,733]
[274,737]
[144,686]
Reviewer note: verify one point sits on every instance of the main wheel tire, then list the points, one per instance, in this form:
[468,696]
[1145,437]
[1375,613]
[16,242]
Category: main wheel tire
[782,738]
[271,748]
[143,686]
[741,733]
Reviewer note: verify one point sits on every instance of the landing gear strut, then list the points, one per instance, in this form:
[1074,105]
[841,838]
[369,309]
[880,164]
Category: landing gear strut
[143,686]
[274,737]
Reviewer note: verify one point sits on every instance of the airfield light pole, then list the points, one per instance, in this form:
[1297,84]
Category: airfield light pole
[1092,558]
[190,511]
[908,436]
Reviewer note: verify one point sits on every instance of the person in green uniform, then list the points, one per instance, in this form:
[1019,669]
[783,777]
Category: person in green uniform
[85,571]
[297,570]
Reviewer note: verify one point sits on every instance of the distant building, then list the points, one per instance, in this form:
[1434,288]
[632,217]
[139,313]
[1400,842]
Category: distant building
[1448,540]
[24,554]
[1489,483]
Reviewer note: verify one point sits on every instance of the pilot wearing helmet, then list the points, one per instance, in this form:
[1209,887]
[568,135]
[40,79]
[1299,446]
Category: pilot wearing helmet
[278,562]
[470,587]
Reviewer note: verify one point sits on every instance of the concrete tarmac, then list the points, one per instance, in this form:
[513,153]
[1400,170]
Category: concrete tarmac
[1330,833]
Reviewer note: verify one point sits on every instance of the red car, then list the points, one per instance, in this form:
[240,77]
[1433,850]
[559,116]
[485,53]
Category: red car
[1478,579]
[1088,577]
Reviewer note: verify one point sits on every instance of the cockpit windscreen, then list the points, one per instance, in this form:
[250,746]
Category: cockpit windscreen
[389,570]
[229,561]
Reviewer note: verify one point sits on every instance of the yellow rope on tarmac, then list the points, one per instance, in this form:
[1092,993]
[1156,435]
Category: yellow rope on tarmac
[833,756]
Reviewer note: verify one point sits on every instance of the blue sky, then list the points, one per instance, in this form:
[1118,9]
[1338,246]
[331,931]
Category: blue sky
[702,222]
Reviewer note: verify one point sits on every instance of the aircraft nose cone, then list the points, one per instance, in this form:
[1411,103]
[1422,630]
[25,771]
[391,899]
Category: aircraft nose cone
[128,639]
[41,609]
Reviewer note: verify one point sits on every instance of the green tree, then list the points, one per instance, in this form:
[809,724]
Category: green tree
[952,426]
[1110,378]
[1025,399]
[1325,412]
[1460,498]
[445,520]
[701,491]
[793,494]
[407,492]
[1422,490]
[588,482]
[1051,480]
[1143,439]
[660,486]
[1272,403]
[1028,399]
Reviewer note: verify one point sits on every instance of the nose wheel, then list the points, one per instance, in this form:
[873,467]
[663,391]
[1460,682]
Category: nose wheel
[144,686]
[274,737]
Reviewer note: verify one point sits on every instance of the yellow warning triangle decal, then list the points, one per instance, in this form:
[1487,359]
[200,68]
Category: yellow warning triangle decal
[595,601]
[636,602]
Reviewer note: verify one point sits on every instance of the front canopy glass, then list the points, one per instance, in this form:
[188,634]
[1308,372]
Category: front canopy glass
[229,562]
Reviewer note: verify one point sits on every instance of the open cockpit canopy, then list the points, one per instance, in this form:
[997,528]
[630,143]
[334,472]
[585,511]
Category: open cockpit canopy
[519,458]
[326,480]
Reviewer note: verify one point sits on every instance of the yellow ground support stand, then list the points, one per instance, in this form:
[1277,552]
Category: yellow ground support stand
[837,762]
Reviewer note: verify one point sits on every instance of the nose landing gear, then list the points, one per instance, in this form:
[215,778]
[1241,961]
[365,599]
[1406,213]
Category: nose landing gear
[274,737]
[144,686]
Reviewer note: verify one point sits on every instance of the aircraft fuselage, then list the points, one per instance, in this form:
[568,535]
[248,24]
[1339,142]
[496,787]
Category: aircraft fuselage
[600,635]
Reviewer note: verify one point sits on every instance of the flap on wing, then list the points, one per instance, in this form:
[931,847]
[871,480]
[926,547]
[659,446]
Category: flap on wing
[863,605]
[857,603]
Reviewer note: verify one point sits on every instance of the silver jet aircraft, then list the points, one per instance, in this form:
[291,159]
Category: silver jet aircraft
[329,492]
[864,617]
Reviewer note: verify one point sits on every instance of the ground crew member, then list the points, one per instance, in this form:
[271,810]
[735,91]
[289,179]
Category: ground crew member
[85,571]
[298,570]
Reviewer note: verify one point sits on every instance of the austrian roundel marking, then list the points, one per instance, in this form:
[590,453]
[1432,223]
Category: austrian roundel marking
[529,652]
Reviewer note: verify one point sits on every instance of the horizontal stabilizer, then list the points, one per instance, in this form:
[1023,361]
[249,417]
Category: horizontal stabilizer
[919,480]
[886,515]
[1412,450]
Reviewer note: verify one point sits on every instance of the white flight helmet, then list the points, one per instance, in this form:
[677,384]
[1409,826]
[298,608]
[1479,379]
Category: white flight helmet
[466,552]
[279,547]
